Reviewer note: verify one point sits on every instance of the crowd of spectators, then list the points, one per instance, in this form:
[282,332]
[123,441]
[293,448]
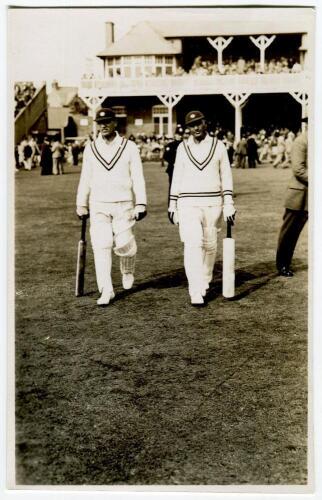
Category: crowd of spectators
[151,147]
[50,154]
[203,67]
[24,92]
[272,146]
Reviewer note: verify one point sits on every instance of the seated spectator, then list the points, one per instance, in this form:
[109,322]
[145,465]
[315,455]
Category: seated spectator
[296,68]
[179,71]
[240,65]
[24,92]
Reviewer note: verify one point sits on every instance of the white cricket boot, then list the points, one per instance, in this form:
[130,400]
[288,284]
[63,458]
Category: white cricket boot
[127,280]
[106,297]
[197,299]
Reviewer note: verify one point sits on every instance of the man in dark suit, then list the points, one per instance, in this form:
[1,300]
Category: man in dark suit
[296,206]
[170,152]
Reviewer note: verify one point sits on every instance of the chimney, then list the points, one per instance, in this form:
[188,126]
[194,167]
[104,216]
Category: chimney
[55,85]
[109,34]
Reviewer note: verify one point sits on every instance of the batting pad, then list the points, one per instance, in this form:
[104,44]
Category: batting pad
[127,264]
[127,250]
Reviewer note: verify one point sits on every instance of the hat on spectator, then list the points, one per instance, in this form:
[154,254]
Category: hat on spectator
[179,130]
[194,116]
[104,114]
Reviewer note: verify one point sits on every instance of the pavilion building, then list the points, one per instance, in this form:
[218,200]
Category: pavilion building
[255,71]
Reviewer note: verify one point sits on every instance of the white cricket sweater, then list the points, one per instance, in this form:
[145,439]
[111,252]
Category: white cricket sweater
[202,174]
[111,172]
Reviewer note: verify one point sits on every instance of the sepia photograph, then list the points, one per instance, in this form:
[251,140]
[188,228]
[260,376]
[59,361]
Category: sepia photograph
[160,326]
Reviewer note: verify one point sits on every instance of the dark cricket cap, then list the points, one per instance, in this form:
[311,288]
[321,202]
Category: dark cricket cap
[194,116]
[179,130]
[104,114]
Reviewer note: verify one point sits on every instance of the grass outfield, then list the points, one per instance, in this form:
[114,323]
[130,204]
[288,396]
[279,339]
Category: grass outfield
[150,390]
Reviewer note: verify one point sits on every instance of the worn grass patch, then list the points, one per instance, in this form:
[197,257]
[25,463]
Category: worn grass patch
[150,390]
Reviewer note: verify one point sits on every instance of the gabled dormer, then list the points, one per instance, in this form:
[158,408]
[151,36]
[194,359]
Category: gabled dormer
[133,57]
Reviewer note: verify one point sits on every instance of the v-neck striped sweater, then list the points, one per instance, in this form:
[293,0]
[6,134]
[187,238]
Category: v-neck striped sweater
[111,172]
[202,174]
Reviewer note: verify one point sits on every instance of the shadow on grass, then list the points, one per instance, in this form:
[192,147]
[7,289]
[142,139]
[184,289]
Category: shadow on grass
[247,280]
[174,279]
[250,279]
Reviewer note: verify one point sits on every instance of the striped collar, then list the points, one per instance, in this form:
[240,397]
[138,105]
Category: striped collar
[99,146]
[208,144]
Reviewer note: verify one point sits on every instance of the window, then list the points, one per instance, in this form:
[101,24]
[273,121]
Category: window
[120,111]
[156,125]
[160,124]
[158,110]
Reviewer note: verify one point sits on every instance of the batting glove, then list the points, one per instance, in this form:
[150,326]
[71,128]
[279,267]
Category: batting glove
[173,217]
[139,212]
[229,213]
[82,212]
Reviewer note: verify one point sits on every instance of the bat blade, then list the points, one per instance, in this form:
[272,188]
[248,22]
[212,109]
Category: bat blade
[228,278]
[80,268]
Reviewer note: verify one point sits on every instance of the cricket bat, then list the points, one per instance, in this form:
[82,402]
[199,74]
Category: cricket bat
[228,277]
[81,260]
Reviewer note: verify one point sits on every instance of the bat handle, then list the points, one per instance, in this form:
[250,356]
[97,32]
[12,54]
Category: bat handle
[83,233]
[229,224]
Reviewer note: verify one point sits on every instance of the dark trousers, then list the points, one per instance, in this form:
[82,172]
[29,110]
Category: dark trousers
[293,223]
[251,161]
[170,175]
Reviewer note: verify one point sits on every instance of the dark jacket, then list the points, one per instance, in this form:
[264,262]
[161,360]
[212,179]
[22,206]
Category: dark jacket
[169,156]
[297,191]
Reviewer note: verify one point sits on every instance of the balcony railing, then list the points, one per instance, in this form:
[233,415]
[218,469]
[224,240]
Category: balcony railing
[213,84]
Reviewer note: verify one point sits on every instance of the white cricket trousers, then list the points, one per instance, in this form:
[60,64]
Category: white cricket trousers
[198,232]
[112,223]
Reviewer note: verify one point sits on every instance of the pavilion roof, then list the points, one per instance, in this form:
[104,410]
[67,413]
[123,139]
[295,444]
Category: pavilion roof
[142,39]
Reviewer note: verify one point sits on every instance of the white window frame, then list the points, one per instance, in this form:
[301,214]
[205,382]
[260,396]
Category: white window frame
[132,62]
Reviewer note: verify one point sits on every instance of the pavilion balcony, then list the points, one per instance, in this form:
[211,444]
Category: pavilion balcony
[194,84]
